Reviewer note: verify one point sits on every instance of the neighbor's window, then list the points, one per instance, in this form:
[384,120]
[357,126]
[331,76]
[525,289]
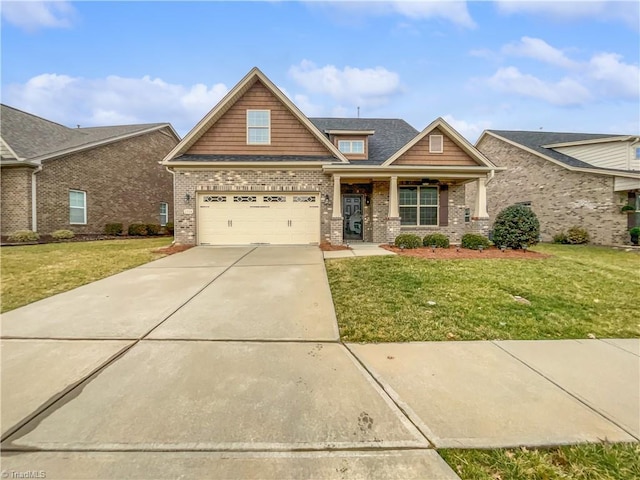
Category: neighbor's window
[258,127]
[164,213]
[351,146]
[637,153]
[77,207]
[435,144]
[419,205]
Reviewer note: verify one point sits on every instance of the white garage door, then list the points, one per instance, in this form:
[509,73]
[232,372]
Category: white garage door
[246,218]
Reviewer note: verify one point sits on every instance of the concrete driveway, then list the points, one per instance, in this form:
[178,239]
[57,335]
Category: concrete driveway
[215,362]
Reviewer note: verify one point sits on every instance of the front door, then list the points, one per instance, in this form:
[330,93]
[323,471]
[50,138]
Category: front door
[353,218]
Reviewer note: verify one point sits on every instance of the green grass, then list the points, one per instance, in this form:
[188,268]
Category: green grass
[34,272]
[578,462]
[578,292]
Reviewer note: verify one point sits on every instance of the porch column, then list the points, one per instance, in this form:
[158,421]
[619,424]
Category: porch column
[336,214]
[480,211]
[394,212]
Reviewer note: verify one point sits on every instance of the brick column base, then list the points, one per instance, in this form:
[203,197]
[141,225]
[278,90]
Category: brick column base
[480,225]
[336,230]
[393,229]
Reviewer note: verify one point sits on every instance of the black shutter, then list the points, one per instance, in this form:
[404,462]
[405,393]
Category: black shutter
[444,205]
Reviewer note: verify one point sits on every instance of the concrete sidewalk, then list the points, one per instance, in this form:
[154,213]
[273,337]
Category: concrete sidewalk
[226,362]
[358,249]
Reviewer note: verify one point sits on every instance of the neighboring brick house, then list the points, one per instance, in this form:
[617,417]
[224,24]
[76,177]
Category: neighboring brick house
[256,170]
[568,179]
[54,177]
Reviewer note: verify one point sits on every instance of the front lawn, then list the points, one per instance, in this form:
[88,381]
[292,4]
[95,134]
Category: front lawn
[34,272]
[578,462]
[580,291]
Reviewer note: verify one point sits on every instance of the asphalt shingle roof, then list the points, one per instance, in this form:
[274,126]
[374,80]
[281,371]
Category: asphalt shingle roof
[31,136]
[536,140]
[391,134]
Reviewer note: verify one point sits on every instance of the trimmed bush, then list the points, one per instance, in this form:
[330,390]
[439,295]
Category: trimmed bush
[113,229]
[169,228]
[408,240]
[23,236]
[137,229]
[63,234]
[560,238]
[438,239]
[153,229]
[516,226]
[474,241]
[577,236]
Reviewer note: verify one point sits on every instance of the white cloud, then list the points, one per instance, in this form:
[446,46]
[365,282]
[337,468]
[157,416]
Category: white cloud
[539,50]
[350,85]
[565,92]
[453,11]
[469,130]
[616,78]
[33,15]
[114,100]
[624,11]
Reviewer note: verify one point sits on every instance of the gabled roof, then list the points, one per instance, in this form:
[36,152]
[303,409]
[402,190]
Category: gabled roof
[34,139]
[231,98]
[538,142]
[452,134]
[390,134]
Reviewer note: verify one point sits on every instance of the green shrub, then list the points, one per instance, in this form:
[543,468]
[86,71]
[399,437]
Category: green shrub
[635,231]
[408,240]
[560,238]
[577,236]
[627,208]
[63,234]
[113,229]
[169,228]
[474,241]
[153,229]
[438,239]
[137,229]
[516,226]
[23,236]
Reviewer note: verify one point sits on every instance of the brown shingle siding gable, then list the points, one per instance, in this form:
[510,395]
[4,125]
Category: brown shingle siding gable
[419,154]
[229,134]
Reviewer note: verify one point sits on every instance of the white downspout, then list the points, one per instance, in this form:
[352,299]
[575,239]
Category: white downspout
[174,203]
[34,199]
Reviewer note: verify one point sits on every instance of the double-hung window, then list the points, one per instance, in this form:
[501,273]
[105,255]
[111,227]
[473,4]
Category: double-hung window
[258,127]
[351,146]
[419,205]
[164,213]
[77,207]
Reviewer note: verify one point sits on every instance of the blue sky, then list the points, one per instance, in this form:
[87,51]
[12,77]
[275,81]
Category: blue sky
[556,66]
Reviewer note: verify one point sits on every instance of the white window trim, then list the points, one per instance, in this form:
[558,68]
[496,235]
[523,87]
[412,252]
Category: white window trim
[417,207]
[431,146]
[268,128]
[84,209]
[165,215]
[350,143]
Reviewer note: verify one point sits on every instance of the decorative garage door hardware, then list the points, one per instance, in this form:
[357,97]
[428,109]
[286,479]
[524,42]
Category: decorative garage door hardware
[304,198]
[214,198]
[245,198]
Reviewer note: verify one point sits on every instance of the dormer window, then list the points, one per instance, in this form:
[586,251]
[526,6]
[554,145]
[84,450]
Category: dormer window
[436,144]
[258,127]
[351,146]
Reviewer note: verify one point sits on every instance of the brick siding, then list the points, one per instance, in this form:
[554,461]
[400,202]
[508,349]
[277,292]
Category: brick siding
[123,181]
[15,200]
[559,197]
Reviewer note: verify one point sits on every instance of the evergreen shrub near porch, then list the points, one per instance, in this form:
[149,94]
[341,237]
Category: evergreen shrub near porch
[408,240]
[516,226]
[440,240]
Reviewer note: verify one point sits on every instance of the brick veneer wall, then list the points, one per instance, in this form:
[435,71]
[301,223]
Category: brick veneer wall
[559,197]
[123,180]
[15,200]
[189,181]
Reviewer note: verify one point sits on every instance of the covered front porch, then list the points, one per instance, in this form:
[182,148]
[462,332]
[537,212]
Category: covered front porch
[376,204]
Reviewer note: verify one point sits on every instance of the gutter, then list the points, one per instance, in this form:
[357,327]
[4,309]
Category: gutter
[34,199]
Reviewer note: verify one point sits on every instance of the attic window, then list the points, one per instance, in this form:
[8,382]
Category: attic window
[435,144]
[351,146]
[258,127]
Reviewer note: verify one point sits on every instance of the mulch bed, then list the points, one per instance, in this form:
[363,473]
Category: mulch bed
[327,247]
[464,253]
[171,249]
